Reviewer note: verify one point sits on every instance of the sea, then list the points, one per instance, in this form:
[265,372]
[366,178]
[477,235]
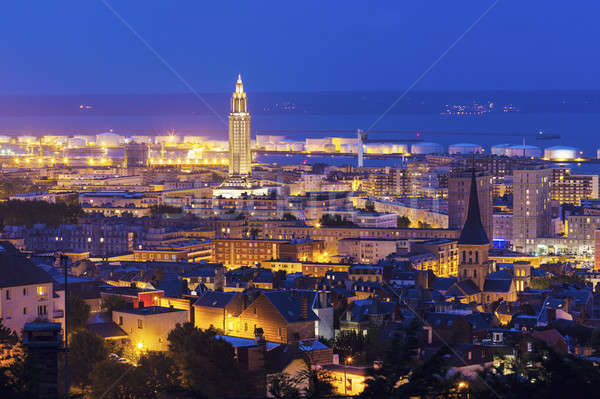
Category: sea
[573,117]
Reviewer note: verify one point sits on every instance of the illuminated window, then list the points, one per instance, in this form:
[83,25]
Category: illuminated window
[41,290]
[140,325]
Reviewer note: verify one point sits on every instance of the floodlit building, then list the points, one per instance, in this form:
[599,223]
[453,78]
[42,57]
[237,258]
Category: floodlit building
[148,327]
[531,211]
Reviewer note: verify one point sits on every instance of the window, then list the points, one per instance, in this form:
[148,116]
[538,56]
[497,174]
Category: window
[120,320]
[245,326]
[8,294]
[140,323]
[279,332]
[24,310]
[41,290]
[25,291]
[529,347]
[42,310]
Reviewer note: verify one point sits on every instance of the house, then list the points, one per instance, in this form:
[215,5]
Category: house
[284,316]
[447,328]
[27,292]
[148,327]
[365,313]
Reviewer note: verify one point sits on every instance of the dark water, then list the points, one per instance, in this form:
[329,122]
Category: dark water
[578,129]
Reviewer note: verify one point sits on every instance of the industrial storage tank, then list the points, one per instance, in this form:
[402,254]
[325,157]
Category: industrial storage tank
[500,149]
[560,153]
[76,142]
[527,151]
[426,148]
[465,148]
[108,140]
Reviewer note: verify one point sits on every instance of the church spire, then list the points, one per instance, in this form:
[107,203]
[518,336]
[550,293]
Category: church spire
[473,232]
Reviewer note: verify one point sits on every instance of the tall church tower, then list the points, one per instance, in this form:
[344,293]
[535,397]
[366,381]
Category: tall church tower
[240,161]
[473,244]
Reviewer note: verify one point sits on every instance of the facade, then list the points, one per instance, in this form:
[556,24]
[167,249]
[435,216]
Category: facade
[314,269]
[446,253]
[178,251]
[366,250]
[149,327]
[332,235]
[26,291]
[571,189]
[284,316]
[503,226]
[458,201]
[233,252]
[531,207]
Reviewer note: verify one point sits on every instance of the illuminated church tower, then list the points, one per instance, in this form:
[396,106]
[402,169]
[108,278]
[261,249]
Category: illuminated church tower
[473,244]
[240,161]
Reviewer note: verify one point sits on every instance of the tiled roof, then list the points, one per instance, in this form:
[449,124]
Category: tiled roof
[496,285]
[107,330]
[215,299]
[289,305]
[16,270]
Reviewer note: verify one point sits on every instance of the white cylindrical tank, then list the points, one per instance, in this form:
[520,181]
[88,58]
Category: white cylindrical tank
[500,149]
[27,139]
[426,148]
[560,152]
[465,149]
[76,142]
[109,140]
[526,151]
[141,139]
[194,139]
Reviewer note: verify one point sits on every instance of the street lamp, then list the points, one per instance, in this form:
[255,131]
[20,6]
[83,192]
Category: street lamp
[348,361]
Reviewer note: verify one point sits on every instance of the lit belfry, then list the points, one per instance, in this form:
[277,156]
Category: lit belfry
[239,179]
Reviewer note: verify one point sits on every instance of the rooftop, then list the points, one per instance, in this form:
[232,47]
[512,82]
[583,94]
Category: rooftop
[150,310]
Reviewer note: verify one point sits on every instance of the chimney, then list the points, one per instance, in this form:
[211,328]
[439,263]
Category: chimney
[304,307]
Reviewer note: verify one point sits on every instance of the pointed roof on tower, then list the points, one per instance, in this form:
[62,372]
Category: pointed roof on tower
[473,232]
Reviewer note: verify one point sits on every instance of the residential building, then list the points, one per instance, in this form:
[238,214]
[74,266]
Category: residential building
[27,292]
[149,327]
[568,188]
[531,207]
[366,250]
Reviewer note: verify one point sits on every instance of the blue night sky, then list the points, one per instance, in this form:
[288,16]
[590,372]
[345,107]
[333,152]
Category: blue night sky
[63,47]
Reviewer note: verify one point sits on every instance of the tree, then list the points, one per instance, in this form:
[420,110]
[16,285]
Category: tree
[154,375]
[207,364]
[78,313]
[403,222]
[114,302]
[28,213]
[164,209]
[319,384]
[335,220]
[283,386]
[289,216]
[85,350]
[369,205]
[547,282]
